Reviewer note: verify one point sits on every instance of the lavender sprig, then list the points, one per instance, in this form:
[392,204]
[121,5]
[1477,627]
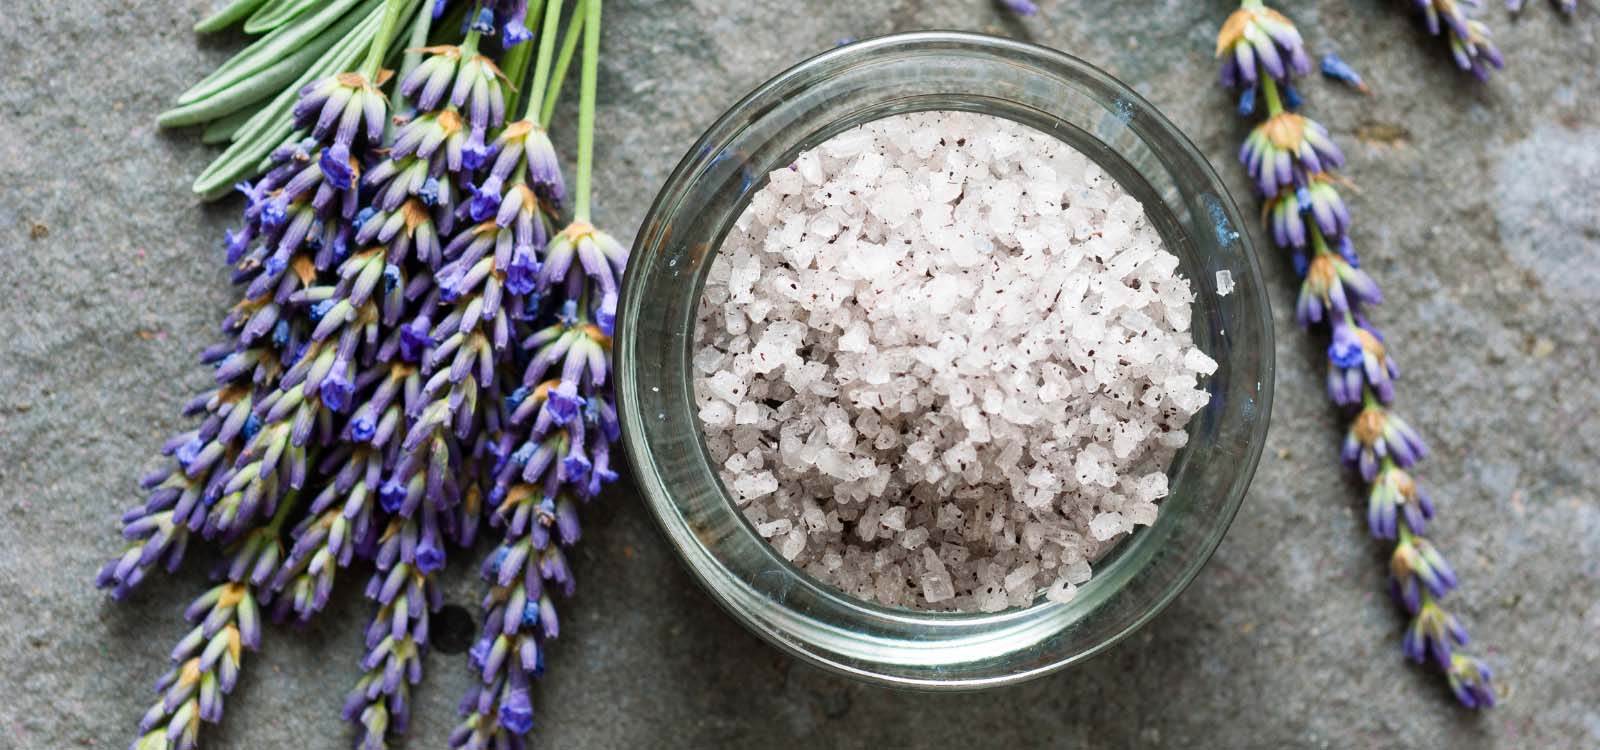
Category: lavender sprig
[559,420]
[1291,160]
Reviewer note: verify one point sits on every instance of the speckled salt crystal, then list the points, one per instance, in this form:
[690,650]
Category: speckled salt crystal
[1106,525]
[1224,283]
[1061,591]
[943,361]
[774,528]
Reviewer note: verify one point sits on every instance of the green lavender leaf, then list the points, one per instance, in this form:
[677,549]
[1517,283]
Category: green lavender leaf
[276,13]
[231,100]
[272,124]
[227,16]
[445,29]
[263,83]
[268,50]
[222,129]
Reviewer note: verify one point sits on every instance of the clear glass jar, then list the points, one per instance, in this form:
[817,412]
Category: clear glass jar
[799,109]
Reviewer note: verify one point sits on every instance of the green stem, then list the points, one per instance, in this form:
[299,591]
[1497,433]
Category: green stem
[547,44]
[1319,244]
[569,45]
[469,45]
[286,507]
[1369,400]
[1269,89]
[420,29]
[393,10]
[586,101]
[515,67]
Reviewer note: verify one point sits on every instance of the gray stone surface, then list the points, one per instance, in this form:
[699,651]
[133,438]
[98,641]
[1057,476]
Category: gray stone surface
[1476,208]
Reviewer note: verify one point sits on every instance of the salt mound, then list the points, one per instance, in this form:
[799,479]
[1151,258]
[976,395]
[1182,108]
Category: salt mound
[943,362]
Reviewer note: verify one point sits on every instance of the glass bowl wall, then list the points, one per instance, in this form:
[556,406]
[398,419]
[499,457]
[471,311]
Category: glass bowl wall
[1047,90]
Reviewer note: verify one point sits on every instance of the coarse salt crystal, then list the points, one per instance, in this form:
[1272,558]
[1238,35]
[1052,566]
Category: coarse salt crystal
[1224,283]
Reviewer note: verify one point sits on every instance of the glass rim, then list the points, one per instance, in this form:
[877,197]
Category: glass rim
[696,554]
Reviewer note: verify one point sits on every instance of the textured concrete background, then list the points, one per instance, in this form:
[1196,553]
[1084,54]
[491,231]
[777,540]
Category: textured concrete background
[1478,208]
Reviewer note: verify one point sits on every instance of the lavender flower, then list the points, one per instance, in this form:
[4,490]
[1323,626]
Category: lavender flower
[1470,681]
[600,257]
[348,106]
[411,553]
[1470,43]
[1357,360]
[1021,7]
[1333,285]
[1336,68]
[1395,495]
[1415,568]
[511,19]
[1286,148]
[1256,36]
[1376,434]
[1434,633]
[1291,160]
[555,446]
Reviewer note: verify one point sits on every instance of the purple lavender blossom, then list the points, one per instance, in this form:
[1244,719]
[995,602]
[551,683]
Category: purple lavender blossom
[347,106]
[510,19]
[1470,43]
[1333,286]
[1336,68]
[1255,36]
[205,668]
[1377,434]
[1396,496]
[1358,360]
[1286,149]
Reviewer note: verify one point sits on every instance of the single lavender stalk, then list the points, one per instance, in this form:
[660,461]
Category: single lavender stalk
[426,419]
[559,418]
[1291,160]
[1471,45]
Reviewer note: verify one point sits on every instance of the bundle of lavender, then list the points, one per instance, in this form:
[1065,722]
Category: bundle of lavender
[417,350]
[1293,161]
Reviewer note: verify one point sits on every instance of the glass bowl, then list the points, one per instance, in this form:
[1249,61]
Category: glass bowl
[1052,92]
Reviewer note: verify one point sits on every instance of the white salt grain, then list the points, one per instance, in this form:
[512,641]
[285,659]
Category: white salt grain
[1224,283]
[943,362]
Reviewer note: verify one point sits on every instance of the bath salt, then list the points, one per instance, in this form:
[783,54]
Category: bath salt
[943,361]
[1224,283]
